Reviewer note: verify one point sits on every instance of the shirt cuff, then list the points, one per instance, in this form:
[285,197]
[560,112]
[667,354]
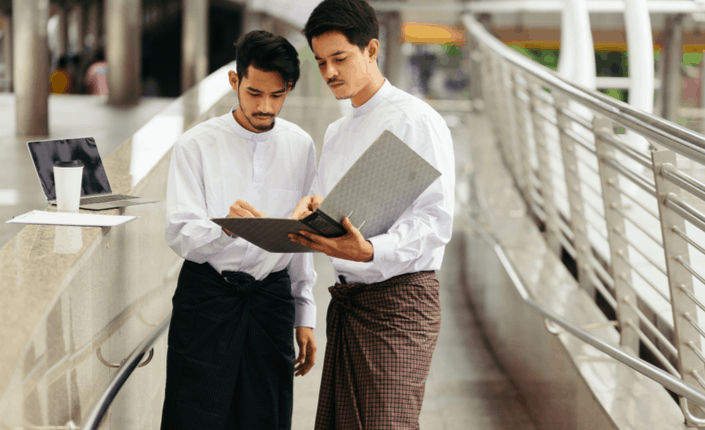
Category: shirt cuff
[305,315]
[383,248]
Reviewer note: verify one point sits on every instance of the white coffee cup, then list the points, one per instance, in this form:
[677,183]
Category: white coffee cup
[67,179]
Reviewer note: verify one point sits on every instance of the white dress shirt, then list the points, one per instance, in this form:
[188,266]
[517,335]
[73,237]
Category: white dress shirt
[218,162]
[417,240]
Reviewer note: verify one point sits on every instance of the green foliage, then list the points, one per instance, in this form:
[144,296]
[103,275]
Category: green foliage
[546,57]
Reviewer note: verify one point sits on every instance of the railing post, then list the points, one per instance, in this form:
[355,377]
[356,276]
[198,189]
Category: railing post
[619,252]
[552,227]
[522,135]
[505,110]
[490,96]
[578,222]
[680,280]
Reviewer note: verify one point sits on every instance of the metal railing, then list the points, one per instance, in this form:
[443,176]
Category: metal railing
[125,369]
[629,208]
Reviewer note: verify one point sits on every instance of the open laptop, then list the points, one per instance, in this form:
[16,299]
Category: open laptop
[96,193]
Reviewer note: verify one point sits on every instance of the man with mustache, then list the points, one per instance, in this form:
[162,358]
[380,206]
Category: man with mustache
[231,361]
[384,317]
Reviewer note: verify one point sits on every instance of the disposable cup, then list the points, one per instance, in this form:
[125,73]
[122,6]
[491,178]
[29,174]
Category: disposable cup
[67,178]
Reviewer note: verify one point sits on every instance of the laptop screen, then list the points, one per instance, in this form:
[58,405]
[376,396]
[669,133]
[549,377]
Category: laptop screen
[45,153]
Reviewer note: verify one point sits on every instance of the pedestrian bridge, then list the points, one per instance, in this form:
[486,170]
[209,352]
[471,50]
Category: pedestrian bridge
[572,291]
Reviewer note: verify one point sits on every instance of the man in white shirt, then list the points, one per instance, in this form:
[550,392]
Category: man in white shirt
[384,317]
[231,361]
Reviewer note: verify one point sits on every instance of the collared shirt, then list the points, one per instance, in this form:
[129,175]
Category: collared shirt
[417,240]
[218,162]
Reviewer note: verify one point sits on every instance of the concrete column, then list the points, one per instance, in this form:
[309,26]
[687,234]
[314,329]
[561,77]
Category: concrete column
[31,66]
[123,24]
[194,56]
[253,20]
[670,68]
[392,58]
[7,49]
[63,31]
[91,26]
[79,36]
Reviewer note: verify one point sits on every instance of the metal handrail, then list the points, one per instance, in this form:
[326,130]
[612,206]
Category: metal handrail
[674,384]
[672,136]
[128,366]
[660,179]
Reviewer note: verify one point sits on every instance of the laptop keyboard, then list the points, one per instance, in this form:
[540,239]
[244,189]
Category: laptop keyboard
[104,199]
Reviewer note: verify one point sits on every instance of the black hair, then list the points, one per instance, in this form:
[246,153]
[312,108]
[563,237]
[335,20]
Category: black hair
[356,19]
[269,53]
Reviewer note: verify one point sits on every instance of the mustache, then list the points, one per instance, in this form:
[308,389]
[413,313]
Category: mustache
[334,81]
[270,115]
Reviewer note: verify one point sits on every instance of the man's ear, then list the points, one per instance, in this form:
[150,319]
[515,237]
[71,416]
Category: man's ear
[373,50]
[234,79]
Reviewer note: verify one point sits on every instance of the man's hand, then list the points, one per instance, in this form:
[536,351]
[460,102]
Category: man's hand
[307,350]
[352,246]
[242,209]
[306,206]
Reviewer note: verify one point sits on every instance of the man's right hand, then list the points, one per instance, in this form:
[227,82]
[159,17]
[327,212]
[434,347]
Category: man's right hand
[242,209]
[306,206]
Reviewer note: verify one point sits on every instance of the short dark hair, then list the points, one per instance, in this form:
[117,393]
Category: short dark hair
[269,53]
[356,19]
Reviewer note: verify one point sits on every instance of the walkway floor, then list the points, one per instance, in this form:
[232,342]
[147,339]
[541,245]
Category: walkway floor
[69,116]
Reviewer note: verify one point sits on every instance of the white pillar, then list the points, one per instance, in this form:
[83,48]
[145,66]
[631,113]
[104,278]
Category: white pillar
[63,31]
[393,57]
[123,24]
[92,19]
[194,56]
[31,66]
[77,40]
[7,49]
[669,94]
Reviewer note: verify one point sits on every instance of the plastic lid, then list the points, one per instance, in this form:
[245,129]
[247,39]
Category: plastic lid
[74,163]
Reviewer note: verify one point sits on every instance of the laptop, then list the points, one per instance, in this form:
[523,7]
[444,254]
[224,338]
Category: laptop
[96,193]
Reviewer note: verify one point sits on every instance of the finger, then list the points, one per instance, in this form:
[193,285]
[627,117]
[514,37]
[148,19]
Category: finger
[348,224]
[302,351]
[315,202]
[236,212]
[248,207]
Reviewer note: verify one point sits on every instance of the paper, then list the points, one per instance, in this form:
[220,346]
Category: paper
[70,218]
[373,193]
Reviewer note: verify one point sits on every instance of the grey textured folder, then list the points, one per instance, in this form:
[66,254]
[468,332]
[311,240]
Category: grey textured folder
[374,192]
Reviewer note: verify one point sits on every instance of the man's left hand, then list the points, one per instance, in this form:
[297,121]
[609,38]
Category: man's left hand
[307,350]
[352,246]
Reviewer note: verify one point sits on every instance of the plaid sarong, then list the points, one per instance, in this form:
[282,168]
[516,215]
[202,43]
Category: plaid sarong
[380,340]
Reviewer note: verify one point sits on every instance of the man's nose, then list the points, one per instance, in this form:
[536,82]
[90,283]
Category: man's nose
[266,104]
[330,71]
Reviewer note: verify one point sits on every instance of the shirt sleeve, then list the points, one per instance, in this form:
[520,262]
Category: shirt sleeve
[303,277]
[189,232]
[300,268]
[428,223]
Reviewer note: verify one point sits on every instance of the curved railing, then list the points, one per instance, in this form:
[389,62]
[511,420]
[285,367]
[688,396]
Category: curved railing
[93,419]
[619,190]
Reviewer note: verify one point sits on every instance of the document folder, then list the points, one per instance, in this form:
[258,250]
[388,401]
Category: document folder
[373,193]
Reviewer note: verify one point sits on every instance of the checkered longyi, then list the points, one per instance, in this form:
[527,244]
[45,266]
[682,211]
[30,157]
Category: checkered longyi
[380,340]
